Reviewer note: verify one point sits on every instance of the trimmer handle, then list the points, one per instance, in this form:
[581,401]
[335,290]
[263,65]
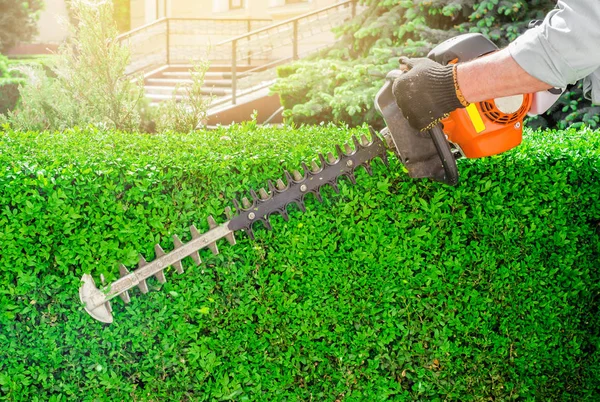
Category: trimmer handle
[423,154]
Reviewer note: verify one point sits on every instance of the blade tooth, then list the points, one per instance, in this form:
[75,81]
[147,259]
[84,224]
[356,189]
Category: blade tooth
[364,140]
[143,286]
[236,205]
[318,195]
[102,279]
[306,169]
[280,185]
[158,251]
[297,175]
[267,224]
[288,177]
[335,187]
[271,187]
[263,194]
[108,307]
[373,135]
[246,203]
[160,275]
[125,297]
[142,261]
[385,160]
[314,166]
[284,215]
[228,213]
[253,195]
[348,149]
[213,247]
[178,267]
[322,159]
[195,233]
[177,242]
[351,177]
[211,222]
[331,159]
[231,238]
[196,257]
[367,167]
[123,270]
[250,233]
[339,151]
[356,142]
[301,205]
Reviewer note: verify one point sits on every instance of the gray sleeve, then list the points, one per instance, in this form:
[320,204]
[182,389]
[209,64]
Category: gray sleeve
[565,48]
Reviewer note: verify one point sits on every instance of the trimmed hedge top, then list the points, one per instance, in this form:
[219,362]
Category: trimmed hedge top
[393,288]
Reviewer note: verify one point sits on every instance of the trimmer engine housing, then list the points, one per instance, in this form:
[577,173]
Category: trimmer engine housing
[484,128]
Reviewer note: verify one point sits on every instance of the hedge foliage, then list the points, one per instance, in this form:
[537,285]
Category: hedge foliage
[393,289]
[340,83]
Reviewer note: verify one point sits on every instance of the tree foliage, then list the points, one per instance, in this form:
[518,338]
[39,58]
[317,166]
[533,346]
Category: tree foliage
[18,19]
[340,83]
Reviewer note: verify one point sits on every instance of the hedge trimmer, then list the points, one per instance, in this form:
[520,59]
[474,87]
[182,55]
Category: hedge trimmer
[482,129]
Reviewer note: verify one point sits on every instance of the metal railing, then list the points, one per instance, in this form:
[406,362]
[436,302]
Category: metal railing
[180,40]
[263,49]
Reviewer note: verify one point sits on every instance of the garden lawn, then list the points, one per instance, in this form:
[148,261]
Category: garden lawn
[394,289]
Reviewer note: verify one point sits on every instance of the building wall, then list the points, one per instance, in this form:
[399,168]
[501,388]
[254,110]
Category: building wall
[51,30]
[145,11]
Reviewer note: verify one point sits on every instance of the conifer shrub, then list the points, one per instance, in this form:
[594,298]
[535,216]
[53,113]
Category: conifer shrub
[393,289]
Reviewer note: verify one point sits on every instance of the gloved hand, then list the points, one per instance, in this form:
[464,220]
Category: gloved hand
[427,92]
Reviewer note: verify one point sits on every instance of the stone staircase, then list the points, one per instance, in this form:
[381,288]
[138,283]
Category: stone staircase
[242,67]
[170,82]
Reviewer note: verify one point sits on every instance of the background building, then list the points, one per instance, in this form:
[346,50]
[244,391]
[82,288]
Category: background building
[146,11]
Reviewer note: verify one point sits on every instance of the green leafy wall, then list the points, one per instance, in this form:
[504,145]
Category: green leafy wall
[393,289]
[340,84]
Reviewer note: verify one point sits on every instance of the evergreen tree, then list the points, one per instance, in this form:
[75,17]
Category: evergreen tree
[340,84]
[18,21]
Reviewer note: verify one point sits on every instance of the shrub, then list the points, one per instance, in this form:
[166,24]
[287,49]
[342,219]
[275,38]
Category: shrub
[349,75]
[391,289]
[9,93]
[90,85]
[189,111]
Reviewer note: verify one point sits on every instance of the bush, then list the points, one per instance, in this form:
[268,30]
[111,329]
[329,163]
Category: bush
[190,112]
[340,84]
[9,93]
[90,85]
[392,289]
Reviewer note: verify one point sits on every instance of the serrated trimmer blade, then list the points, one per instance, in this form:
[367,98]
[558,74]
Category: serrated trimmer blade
[265,203]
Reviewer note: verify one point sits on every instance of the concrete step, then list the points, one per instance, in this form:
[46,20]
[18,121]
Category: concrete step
[186,81]
[170,90]
[213,68]
[210,75]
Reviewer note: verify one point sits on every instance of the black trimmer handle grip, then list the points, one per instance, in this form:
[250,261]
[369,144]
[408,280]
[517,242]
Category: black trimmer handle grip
[446,156]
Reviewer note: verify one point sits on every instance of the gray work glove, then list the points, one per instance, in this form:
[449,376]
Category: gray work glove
[427,92]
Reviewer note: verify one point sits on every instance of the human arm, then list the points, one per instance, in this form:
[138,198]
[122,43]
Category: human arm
[558,52]
[565,48]
[495,76]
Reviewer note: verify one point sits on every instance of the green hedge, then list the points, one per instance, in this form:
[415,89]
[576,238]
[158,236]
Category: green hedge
[393,289]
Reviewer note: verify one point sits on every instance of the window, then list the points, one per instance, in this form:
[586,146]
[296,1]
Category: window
[236,4]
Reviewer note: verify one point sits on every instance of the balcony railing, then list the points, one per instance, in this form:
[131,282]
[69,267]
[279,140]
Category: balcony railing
[263,49]
[181,40]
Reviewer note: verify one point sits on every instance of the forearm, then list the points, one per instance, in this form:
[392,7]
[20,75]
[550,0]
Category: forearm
[495,76]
